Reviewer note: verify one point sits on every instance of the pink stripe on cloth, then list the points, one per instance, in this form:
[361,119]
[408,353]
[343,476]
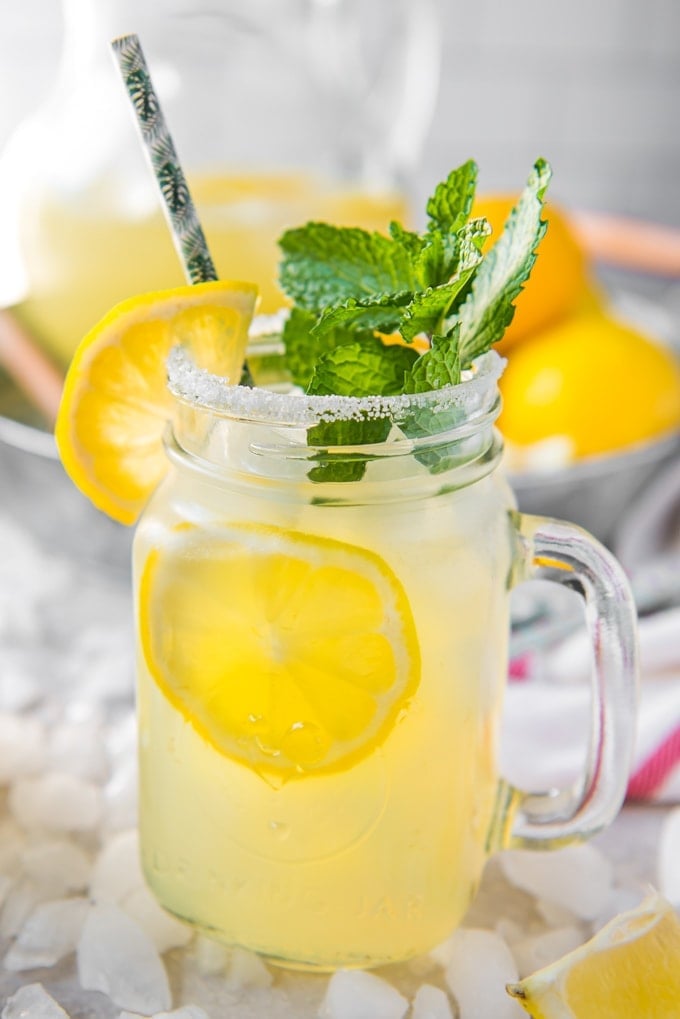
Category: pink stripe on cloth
[521,667]
[650,775]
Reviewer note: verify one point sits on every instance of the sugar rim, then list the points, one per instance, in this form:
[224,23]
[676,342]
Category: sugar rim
[200,388]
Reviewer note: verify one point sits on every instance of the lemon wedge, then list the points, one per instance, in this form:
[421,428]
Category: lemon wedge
[115,404]
[287,652]
[631,968]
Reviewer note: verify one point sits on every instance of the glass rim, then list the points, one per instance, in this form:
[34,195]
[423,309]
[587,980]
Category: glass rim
[201,389]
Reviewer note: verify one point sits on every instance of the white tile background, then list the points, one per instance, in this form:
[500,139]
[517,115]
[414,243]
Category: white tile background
[594,85]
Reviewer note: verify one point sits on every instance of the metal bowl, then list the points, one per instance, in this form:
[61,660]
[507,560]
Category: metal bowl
[37,495]
[599,491]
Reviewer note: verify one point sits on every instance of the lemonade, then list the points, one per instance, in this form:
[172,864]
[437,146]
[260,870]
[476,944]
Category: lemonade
[87,253]
[307,854]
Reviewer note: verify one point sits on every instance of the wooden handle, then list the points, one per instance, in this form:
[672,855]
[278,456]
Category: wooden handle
[630,243]
[30,369]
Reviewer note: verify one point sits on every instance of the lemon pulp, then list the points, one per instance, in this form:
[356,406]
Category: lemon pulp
[288,653]
[116,404]
[630,968]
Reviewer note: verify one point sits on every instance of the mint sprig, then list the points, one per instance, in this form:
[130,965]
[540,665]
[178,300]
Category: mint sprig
[350,286]
[489,309]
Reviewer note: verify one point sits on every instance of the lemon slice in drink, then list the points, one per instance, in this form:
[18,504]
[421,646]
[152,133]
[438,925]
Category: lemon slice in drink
[115,403]
[287,652]
[631,968]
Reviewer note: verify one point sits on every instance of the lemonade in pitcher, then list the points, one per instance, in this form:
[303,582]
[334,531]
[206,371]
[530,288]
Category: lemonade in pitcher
[282,112]
[322,567]
[85,253]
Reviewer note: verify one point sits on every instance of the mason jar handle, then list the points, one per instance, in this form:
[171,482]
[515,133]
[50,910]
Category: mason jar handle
[565,553]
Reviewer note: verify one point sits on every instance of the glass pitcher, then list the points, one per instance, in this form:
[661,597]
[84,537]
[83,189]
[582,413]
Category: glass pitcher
[322,637]
[281,110]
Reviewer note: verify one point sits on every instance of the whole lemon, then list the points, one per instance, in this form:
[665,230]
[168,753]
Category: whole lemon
[559,283]
[593,379]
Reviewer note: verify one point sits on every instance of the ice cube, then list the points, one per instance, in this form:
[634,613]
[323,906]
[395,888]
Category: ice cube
[117,958]
[623,899]
[441,954]
[21,900]
[6,885]
[117,871]
[58,865]
[33,1002]
[185,1012]
[579,878]
[120,793]
[22,747]
[481,965]
[165,930]
[431,1003]
[28,577]
[49,934]
[355,994]
[510,931]
[210,956]
[56,802]
[538,950]
[12,845]
[120,796]
[421,966]
[101,664]
[246,969]
[668,865]
[76,747]
[19,686]
[554,914]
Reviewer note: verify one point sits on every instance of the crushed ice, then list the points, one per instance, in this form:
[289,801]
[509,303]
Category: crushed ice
[80,934]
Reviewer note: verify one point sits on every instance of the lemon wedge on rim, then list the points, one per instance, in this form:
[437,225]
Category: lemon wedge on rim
[115,404]
[630,969]
[287,652]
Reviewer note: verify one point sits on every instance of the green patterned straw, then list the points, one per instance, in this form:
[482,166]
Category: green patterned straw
[178,205]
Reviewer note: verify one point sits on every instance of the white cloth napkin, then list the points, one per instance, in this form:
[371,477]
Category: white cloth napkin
[547,714]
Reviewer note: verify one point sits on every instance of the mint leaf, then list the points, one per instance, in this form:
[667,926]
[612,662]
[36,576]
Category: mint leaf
[407,239]
[364,367]
[437,367]
[324,265]
[301,349]
[348,466]
[437,259]
[473,234]
[449,207]
[488,309]
[381,313]
[424,423]
[428,310]
[304,347]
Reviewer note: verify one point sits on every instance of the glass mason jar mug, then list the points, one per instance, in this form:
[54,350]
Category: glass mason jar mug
[322,657]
